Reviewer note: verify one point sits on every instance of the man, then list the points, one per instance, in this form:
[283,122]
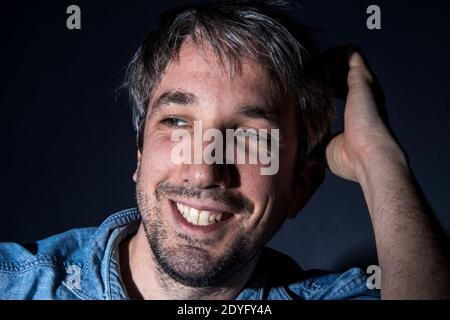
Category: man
[200,227]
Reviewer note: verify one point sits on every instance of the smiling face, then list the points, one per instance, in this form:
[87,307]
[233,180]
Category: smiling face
[206,222]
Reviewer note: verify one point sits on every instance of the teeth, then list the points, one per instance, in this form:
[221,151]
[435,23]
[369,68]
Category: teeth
[203,218]
[197,217]
[194,215]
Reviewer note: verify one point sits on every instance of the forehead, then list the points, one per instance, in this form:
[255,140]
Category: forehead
[198,69]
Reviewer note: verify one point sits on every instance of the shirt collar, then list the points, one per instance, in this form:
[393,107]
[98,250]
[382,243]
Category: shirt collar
[102,279]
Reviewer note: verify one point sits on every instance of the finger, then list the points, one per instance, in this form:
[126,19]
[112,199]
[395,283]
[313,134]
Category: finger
[362,72]
[359,73]
[357,61]
[360,81]
[363,84]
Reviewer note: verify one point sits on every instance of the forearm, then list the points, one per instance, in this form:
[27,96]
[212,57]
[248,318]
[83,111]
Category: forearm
[412,257]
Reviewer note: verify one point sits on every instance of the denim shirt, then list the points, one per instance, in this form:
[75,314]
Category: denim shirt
[83,264]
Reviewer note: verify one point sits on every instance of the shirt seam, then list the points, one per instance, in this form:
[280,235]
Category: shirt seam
[35,262]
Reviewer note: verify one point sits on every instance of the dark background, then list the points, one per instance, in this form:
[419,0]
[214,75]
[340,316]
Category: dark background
[68,146]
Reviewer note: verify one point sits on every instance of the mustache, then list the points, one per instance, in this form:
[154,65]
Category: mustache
[237,203]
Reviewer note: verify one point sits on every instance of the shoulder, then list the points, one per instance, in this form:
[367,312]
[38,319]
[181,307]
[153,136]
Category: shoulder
[286,281]
[49,268]
[56,246]
[30,271]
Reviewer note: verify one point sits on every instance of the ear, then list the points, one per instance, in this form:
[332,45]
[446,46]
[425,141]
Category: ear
[138,166]
[306,185]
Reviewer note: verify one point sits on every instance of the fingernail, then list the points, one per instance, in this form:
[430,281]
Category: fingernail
[352,49]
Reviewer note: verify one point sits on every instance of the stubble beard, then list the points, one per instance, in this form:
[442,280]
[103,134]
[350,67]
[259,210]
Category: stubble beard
[183,258]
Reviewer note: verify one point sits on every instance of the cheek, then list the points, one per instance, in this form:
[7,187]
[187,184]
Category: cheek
[269,196]
[156,160]
[257,187]
[269,193]
[263,186]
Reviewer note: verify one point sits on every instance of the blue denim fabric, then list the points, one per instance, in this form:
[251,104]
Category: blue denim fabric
[83,264]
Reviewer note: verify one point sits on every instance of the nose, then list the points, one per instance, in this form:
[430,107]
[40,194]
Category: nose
[205,176]
[203,172]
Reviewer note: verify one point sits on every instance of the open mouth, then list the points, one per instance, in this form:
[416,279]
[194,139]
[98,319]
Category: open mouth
[198,217]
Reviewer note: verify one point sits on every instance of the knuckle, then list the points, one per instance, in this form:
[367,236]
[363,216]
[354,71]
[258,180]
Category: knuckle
[358,74]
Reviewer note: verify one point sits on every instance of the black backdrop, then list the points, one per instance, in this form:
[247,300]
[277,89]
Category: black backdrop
[68,147]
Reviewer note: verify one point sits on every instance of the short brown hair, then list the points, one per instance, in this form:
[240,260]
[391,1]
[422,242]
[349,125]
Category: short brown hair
[262,31]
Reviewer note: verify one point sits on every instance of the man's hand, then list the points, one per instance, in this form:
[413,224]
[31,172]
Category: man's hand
[411,252]
[366,141]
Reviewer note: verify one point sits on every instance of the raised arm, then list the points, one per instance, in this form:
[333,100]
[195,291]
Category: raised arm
[410,246]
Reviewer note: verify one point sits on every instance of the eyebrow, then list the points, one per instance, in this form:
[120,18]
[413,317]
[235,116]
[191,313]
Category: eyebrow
[185,98]
[176,97]
[257,112]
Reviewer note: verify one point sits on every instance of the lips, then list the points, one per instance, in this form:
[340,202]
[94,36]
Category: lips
[201,217]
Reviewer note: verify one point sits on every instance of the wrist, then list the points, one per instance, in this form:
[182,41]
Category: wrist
[380,165]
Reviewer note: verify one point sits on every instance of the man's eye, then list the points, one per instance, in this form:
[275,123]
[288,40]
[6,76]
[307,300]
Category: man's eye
[174,122]
[251,133]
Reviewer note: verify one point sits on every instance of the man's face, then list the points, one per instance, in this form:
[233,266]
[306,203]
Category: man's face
[243,208]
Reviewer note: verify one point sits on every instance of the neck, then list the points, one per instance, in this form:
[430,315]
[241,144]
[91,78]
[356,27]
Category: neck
[144,279]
